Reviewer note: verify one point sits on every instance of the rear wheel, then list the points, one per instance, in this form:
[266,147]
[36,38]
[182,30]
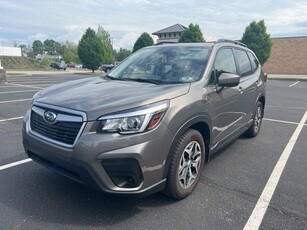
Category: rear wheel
[186,165]
[257,121]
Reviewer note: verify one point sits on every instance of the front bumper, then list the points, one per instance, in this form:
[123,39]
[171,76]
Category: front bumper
[114,163]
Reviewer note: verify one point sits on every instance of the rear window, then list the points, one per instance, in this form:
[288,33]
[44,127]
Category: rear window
[245,67]
[254,61]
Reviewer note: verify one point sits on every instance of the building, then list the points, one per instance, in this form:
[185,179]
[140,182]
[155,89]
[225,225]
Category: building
[170,34]
[289,56]
[10,51]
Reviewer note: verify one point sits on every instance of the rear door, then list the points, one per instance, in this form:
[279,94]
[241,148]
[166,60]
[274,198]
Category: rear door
[249,74]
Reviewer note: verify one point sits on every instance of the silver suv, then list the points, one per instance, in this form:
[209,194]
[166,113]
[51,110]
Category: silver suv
[151,123]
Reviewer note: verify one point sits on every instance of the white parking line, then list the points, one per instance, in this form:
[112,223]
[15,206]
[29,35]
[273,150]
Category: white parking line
[282,121]
[294,84]
[34,82]
[262,205]
[286,107]
[8,86]
[20,91]
[3,102]
[35,87]
[2,167]
[11,119]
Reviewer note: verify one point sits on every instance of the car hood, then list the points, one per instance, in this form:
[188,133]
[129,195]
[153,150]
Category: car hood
[97,96]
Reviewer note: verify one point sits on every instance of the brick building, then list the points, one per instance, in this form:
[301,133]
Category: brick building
[289,56]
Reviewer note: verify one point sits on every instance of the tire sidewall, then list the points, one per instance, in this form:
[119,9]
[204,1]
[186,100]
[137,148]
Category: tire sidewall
[188,137]
[259,104]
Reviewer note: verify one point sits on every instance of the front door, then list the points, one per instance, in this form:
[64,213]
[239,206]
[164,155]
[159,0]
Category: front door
[228,116]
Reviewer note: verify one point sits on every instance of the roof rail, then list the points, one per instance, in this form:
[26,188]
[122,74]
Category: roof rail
[231,41]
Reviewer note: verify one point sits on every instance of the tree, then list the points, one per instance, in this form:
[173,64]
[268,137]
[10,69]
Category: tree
[192,34]
[37,47]
[23,47]
[71,53]
[53,47]
[144,40]
[258,40]
[107,46]
[122,54]
[90,50]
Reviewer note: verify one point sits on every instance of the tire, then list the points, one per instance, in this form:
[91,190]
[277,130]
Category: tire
[186,165]
[257,121]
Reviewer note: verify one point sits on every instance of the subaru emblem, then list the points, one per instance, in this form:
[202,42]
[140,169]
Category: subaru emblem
[50,117]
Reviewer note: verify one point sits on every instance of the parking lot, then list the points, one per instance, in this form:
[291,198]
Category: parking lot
[233,191]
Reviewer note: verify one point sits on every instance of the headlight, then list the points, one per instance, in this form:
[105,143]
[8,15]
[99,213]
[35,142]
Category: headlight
[134,121]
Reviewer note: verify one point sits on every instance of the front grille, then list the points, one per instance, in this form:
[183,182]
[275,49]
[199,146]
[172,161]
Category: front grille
[62,131]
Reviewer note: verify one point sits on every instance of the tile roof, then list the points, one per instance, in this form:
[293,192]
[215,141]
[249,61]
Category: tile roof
[171,29]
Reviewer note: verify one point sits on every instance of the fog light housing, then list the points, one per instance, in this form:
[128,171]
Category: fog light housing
[125,173]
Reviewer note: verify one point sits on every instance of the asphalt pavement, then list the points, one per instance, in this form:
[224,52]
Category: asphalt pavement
[232,183]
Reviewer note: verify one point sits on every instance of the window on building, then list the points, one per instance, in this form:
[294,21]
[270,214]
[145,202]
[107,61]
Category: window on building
[170,35]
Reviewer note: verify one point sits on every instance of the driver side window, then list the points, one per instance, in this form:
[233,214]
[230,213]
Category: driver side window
[224,63]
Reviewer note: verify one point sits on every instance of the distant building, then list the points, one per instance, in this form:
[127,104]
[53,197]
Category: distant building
[170,34]
[10,51]
[289,56]
[52,57]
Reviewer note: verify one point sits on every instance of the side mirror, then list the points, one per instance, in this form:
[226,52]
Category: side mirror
[228,80]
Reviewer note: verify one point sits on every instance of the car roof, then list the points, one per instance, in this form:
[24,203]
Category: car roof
[221,42]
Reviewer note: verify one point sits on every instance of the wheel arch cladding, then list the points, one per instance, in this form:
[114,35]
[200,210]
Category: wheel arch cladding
[201,126]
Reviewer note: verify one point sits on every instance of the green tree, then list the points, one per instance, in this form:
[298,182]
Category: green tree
[192,34]
[71,53]
[37,47]
[258,40]
[49,46]
[90,50]
[122,54]
[23,47]
[144,40]
[53,47]
[107,46]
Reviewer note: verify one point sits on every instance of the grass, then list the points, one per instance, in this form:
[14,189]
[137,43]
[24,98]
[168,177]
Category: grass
[18,74]
[22,63]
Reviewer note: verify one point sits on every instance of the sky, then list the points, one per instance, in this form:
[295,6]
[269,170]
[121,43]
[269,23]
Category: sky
[24,21]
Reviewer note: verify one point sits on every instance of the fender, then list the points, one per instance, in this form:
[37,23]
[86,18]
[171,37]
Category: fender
[198,119]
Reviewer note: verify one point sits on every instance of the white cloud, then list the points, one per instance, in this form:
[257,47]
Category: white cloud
[38,36]
[125,20]
[127,41]
[288,21]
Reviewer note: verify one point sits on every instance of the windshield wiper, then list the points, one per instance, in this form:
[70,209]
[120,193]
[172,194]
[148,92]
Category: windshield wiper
[112,78]
[157,82]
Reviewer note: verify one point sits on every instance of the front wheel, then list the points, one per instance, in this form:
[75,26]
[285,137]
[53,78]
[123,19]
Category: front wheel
[186,164]
[257,121]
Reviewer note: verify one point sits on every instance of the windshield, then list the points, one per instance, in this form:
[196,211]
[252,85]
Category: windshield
[168,64]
